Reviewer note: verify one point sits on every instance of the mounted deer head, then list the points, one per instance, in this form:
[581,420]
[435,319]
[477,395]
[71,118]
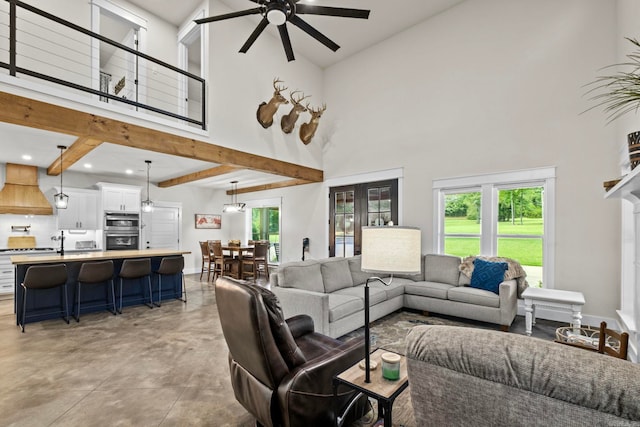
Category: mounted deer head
[288,121]
[267,110]
[307,130]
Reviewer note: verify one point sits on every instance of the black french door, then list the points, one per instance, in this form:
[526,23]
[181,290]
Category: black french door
[353,206]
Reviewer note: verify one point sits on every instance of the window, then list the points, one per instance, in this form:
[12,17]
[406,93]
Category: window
[506,214]
[263,222]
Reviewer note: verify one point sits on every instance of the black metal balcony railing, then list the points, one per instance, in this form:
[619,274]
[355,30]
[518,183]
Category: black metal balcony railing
[37,45]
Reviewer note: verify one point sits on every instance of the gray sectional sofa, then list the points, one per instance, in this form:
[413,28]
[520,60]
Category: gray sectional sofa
[331,291]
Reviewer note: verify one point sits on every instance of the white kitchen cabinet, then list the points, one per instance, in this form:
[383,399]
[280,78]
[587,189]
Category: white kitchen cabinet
[6,275]
[82,211]
[120,198]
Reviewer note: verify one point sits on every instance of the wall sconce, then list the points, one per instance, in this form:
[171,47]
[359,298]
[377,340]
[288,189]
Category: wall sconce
[147,205]
[234,206]
[61,200]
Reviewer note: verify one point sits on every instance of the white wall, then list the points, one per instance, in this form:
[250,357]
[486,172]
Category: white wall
[491,86]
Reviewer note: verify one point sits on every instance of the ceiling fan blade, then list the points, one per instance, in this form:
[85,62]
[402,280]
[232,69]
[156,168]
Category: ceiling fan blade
[252,38]
[253,11]
[304,26]
[332,11]
[286,42]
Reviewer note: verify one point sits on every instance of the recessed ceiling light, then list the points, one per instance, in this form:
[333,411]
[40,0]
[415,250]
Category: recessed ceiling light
[26,157]
[88,165]
[128,171]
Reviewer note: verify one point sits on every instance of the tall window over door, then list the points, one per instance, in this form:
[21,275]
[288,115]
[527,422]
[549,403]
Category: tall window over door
[354,206]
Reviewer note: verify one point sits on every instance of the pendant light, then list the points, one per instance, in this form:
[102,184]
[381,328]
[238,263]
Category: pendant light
[61,200]
[234,206]
[147,205]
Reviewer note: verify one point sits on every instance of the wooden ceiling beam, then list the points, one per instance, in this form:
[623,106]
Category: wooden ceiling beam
[80,148]
[41,115]
[196,176]
[280,184]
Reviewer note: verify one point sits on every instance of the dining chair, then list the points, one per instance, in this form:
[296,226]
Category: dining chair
[206,259]
[612,342]
[258,262]
[223,265]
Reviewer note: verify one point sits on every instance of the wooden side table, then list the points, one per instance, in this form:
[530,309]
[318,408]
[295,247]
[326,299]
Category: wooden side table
[567,300]
[383,390]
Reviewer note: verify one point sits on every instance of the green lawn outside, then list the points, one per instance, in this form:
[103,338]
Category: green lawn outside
[526,251]
[529,226]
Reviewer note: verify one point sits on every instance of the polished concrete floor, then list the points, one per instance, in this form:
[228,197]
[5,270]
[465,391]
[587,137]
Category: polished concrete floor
[164,366]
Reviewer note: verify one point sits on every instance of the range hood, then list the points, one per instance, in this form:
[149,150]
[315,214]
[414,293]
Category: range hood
[21,193]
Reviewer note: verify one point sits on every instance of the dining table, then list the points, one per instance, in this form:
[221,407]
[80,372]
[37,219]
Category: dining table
[238,251]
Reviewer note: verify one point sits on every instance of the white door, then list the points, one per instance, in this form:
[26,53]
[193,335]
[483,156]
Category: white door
[161,228]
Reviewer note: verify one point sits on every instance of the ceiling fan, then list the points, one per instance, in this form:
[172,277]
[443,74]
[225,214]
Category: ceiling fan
[278,12]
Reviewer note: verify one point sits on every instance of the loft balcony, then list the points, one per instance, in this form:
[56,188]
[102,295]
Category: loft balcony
[50,53]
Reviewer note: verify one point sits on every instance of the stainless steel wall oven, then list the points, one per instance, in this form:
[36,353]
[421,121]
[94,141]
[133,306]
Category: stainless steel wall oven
[121,231]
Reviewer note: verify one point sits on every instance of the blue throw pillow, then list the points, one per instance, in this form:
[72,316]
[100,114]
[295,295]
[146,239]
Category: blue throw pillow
[488,275]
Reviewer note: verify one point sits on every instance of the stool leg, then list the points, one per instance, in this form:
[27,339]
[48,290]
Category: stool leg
[159,303]
[184,287]
[78,303]
[24,307]
[120,309]
[113,297]
[65,303]
[150,292]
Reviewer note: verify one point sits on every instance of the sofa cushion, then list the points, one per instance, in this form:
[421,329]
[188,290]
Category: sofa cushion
[442,269]
[304,275]
[335,274]
[488,275]
[428,289]
[394,289]
[357,275]
[473,296]
[343,305]
[376,295]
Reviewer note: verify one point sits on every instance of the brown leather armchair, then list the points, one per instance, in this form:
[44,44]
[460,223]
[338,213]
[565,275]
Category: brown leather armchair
[281,371]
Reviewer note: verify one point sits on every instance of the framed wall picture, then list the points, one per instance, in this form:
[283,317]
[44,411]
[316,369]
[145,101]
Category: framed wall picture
[208,221]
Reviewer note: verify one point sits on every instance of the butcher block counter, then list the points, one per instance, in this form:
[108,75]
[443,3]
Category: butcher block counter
[93,256]
[42,304]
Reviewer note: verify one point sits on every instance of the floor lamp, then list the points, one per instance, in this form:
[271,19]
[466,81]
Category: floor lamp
[387,250]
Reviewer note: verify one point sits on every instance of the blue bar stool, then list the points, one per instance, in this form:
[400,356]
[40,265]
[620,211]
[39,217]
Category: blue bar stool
[40,277]
[136,269]
[95,273]
[170,266]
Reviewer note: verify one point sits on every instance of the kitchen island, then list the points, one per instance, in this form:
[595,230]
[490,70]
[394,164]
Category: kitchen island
[42,303]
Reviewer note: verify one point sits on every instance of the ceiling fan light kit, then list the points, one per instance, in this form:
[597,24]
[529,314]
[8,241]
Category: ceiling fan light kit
[279,12]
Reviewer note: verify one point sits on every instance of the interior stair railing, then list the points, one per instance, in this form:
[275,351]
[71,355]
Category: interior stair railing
[35,44]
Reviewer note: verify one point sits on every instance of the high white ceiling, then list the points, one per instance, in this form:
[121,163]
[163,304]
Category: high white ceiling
[386,19]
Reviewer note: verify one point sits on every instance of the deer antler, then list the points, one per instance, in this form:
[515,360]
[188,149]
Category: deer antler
[295,101]
[320,110]
[277,88]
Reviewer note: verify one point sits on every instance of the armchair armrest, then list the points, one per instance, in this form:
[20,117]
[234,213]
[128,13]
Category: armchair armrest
[508,294]
[300,325]
[306,393]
